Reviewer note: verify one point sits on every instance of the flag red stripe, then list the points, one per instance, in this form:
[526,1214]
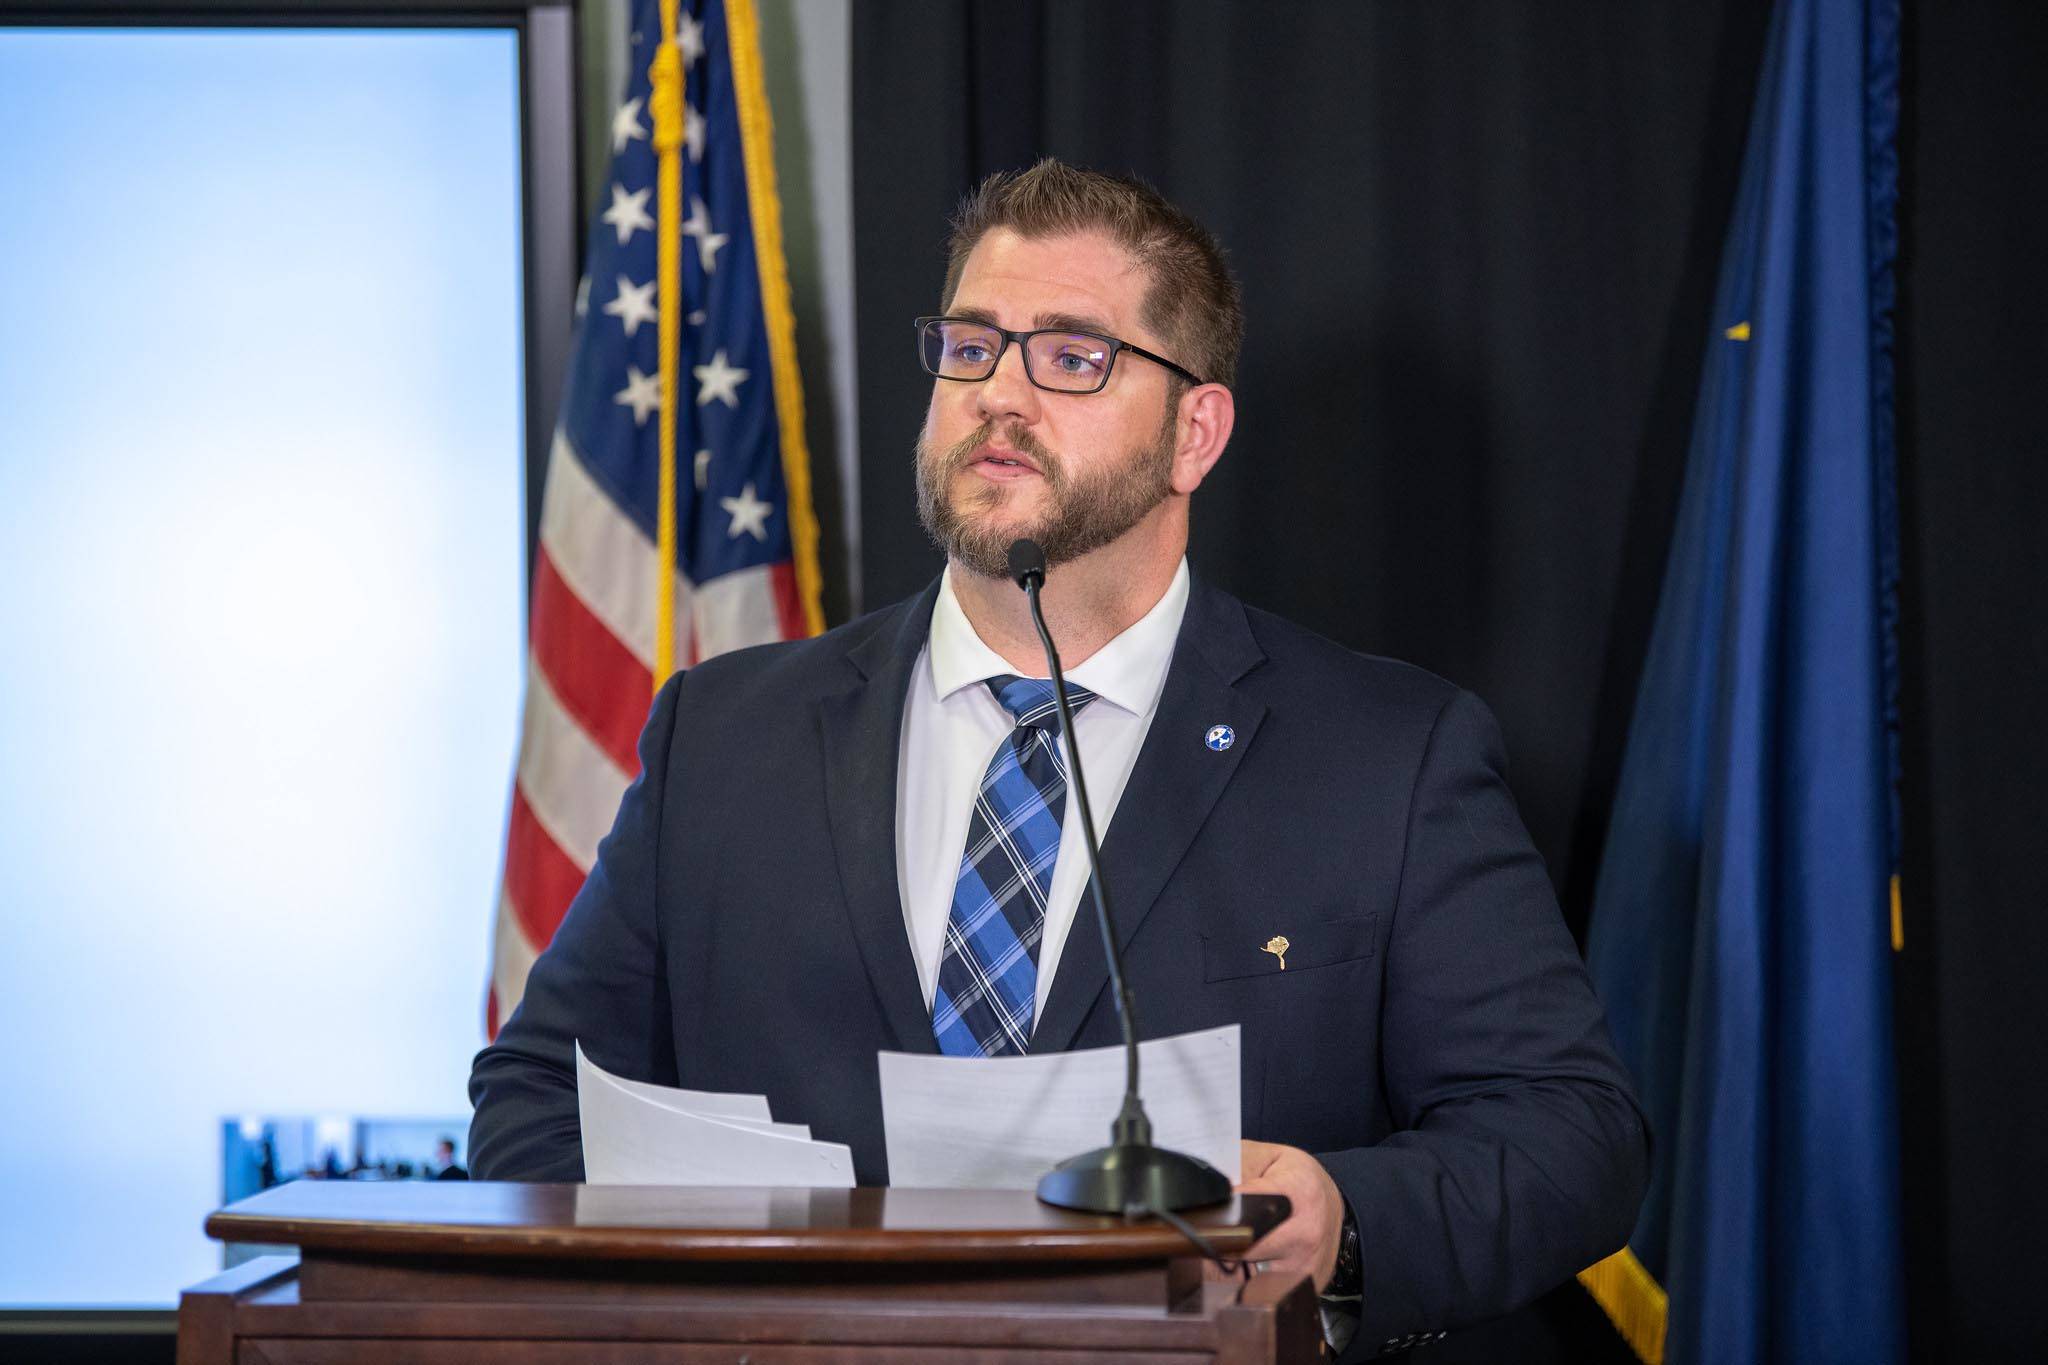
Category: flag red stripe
[540,880]
[789,606]
[603,687]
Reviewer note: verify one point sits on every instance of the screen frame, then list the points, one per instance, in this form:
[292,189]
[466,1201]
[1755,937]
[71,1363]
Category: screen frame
[551,238]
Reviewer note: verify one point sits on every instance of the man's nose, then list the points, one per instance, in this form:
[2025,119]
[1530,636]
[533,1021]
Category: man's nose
[1008,391]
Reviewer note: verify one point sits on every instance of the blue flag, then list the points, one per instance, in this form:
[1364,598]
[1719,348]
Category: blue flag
[1743,918]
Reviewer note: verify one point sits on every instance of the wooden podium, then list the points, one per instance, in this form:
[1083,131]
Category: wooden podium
[453,1272]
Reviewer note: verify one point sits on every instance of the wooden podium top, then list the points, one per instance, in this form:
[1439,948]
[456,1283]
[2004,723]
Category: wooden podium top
[666,1223]
[459,1273]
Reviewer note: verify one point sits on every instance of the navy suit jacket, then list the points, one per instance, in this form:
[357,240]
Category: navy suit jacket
[1434,1038]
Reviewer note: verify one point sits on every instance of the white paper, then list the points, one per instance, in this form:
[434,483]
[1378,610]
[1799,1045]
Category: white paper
[1002,1122]
[632,1138]
[744,1111]
[711,1104]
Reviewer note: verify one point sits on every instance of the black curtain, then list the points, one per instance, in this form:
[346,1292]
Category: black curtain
[1973,352]
[1478,242]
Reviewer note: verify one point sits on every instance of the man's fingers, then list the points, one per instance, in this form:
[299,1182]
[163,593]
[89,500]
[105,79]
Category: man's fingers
[1292,1244]
[1254,1157]
[1293,1191]
[1280,1244]
[1302,1243]
[1278,1249]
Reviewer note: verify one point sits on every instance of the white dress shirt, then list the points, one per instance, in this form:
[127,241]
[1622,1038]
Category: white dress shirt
[951,727]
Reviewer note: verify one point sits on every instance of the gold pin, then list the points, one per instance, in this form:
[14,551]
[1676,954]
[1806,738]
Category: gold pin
[1278,946]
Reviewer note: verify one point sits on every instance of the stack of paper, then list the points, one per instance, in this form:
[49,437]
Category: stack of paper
[635,1133]
[1002,1122]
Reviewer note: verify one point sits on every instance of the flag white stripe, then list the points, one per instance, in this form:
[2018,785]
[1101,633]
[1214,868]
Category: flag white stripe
[735,610]
[513,959]
[571,785]
[603,557]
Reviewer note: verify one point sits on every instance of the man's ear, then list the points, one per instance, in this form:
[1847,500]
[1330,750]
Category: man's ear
[1207,413]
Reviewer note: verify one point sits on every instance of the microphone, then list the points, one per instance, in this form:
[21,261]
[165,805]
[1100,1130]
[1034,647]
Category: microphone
[1130,1175]
[1027,571]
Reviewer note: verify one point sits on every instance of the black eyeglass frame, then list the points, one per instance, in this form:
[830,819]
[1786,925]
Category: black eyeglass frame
[1022,341]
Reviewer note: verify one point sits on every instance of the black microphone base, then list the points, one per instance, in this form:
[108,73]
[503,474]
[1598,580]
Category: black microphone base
[1130,1177]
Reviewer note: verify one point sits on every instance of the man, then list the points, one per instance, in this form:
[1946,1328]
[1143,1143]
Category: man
[822,859]
[445,1166]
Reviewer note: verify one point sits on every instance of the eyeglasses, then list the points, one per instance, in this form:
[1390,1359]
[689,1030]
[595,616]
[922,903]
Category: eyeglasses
[1055,359]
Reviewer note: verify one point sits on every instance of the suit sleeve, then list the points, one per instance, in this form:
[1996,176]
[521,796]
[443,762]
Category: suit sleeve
[1520,1155]
[600,981]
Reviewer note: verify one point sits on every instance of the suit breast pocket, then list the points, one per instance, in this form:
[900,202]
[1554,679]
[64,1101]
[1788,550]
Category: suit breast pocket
[1322,943]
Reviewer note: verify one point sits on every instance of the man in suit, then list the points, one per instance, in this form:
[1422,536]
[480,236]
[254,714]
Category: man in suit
[862,842]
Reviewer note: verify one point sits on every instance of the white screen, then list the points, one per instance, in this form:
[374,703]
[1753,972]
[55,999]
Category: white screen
[261,597]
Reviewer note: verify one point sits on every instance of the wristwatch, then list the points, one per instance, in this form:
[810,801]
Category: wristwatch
[1340,1304]
[1347,1281]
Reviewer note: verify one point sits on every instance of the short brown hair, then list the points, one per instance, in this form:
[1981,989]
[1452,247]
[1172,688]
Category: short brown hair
[1192,303]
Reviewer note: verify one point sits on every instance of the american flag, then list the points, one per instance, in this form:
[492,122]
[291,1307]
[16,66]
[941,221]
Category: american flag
[744,569]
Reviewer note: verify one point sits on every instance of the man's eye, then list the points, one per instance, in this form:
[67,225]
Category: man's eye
[1071,361]
[973,352]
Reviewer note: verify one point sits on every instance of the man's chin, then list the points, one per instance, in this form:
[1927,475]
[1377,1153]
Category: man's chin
[994,523]
[987,553]
[981,544]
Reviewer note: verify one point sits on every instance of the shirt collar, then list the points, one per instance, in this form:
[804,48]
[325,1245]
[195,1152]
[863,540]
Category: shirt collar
[1129,672]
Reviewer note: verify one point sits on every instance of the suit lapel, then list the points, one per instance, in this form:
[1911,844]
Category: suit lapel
[1177,781]
[862,733]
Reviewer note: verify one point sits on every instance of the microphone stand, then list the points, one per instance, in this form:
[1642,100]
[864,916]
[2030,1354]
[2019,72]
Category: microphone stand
[1130,1176]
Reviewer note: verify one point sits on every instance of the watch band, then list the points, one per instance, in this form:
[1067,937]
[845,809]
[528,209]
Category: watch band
[1347,1280]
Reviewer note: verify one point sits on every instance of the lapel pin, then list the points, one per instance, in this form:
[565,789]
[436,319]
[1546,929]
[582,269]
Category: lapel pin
[1278,946]
[1220,737]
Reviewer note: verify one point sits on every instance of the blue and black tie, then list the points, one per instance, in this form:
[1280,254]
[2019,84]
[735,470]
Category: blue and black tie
[988,973]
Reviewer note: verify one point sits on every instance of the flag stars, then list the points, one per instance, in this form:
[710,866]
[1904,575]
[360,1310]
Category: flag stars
[703,469]
[628,213]
[626,125]
[634,304]
[749,514]
[693,131]
[642,394]
[582,296]
[690,38]
[719,380]
[698,225]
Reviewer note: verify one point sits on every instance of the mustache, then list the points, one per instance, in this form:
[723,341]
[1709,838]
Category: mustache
[960,454]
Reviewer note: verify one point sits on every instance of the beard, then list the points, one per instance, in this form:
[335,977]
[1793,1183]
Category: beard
[1083,512]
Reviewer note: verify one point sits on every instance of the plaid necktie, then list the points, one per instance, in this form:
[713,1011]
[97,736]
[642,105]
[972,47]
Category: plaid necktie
[988,973]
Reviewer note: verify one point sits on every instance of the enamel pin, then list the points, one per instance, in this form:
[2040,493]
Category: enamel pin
[1220,737]
[1278,946]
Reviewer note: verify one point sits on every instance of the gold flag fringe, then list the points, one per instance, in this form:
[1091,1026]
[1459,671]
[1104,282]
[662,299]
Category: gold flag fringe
[665,104]
[757,142]
[1632,1300]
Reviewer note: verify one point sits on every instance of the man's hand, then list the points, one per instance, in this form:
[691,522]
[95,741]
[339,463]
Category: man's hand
[1307,1241]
